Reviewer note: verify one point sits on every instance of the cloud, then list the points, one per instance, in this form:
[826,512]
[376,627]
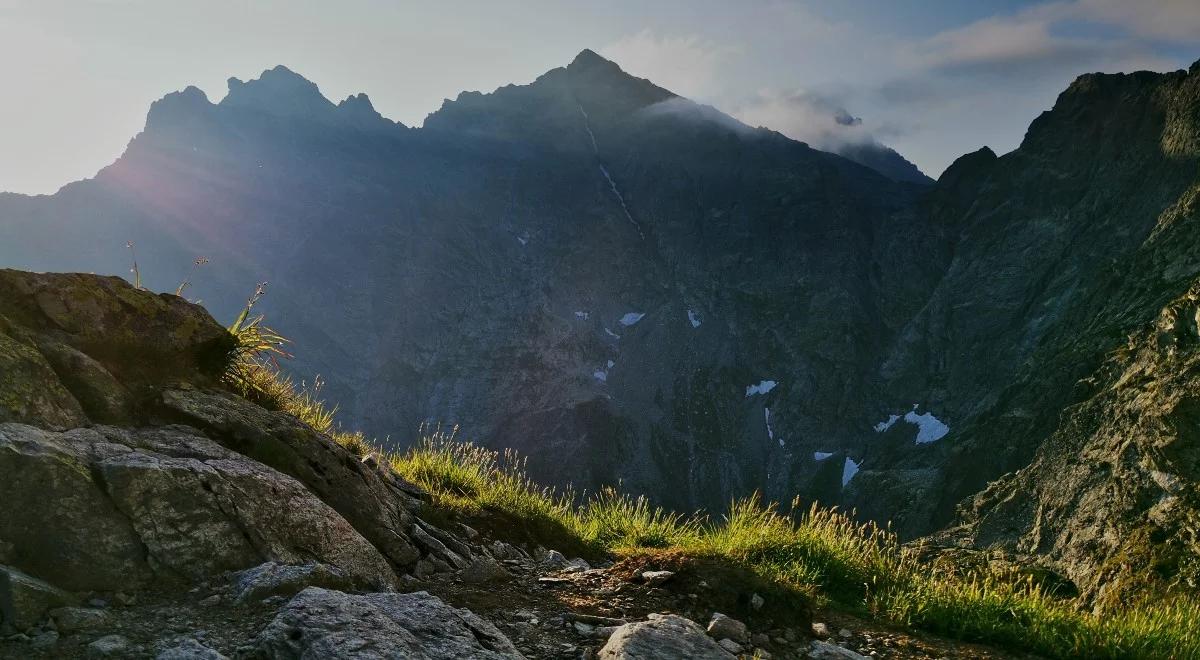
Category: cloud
[820,120]
[686,109]
[1165,20]
[686,65]
[1051,39]
[931,96]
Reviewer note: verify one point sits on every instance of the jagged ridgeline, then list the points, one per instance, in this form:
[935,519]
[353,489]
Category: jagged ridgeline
[626,286]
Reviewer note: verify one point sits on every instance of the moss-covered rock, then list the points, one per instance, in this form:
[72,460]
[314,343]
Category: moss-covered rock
[30,391]
[76,346]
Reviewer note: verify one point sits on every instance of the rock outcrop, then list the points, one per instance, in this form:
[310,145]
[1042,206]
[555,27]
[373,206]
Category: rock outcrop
[105,509]
[662,636]
[1111,501]
[319,623]
[78,348]
[128,472]
[148,511]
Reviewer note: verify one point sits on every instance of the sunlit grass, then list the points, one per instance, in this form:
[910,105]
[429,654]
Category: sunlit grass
[823,552]
[253,371]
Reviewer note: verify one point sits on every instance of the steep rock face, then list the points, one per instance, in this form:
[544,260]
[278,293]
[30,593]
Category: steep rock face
[1062,248]
[1112,499]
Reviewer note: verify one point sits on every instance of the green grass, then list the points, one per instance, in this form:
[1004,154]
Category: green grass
[821,552]
[818,552]
[253,371]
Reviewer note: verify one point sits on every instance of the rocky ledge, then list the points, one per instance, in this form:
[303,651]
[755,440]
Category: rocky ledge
[148,512]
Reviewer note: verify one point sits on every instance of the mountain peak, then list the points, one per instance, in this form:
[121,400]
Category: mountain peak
[589,64]
[358,110]
[177,108]
[278,91]
[602,83]
[588,57]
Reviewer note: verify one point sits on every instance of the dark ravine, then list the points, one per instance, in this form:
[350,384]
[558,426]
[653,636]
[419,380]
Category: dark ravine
[477,270]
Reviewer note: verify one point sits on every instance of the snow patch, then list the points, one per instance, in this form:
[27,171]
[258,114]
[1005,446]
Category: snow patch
[600,375]
[612,334]
[587,124]
[821,455]
[886,424]
[617,193]
[762,388]
[770,432]
[611,364]
[582,316]
[523,241]
[693,318]
[631,318]
[929,428]
[849,469]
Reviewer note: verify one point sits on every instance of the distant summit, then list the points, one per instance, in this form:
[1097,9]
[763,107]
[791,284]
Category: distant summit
[590,59]
[279,91]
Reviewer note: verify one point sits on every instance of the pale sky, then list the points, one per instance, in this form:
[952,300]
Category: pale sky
[933,79]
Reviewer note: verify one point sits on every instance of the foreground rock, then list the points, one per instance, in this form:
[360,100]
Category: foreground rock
[319,623]
[77,347]
[662,636]
[272,579]
[375,501]
[106,509]
[189,649]
[24,599]
[724,627]
[820,650]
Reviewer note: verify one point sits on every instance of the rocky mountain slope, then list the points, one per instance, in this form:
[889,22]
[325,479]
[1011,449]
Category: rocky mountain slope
[151,513]
[1112,498]
[624,285]
[587,268]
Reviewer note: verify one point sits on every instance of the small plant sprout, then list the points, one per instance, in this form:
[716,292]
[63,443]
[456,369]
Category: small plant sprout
[137,275]
[187,281]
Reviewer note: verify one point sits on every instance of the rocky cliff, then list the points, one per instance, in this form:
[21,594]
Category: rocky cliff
[1111,499]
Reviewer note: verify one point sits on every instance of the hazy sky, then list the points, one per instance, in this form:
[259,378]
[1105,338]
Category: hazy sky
[934,79]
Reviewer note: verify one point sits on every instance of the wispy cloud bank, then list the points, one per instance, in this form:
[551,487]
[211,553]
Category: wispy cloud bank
[686,64]
[820,120]
[931,96]
[1046,39]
